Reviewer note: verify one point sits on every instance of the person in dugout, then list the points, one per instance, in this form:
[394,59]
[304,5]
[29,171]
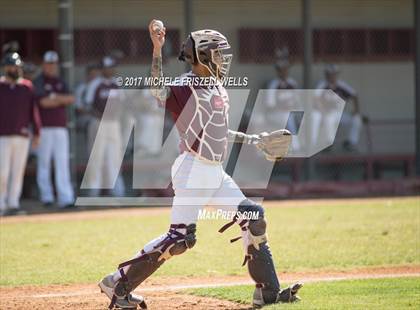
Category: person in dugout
[53,98]
[19,121]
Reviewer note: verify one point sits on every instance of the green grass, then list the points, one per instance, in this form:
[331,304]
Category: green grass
[344,235]
[400,293]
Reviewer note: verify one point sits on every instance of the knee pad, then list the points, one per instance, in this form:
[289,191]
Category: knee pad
[254,230]
[248,213]
[256,233]
[178,242]
[250,217]
[248,205]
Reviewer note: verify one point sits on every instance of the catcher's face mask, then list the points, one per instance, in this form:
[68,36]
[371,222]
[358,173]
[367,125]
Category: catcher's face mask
[221,58]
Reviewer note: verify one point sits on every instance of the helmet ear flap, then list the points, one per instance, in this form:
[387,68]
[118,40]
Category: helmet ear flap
[188,52]
[193,50]
[181,55]
[203,57]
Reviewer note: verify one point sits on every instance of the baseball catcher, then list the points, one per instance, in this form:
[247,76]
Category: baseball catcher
[200,114]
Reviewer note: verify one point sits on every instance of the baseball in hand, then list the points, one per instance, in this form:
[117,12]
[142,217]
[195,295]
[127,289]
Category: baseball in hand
[157,26]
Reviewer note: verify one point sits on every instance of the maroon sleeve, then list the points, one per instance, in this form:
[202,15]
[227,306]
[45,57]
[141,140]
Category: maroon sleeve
[171,103]
[178,98]
[27,83]
[38,87]
[35,117]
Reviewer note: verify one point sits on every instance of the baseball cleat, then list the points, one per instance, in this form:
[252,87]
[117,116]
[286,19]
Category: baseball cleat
[289,293]
[130,301]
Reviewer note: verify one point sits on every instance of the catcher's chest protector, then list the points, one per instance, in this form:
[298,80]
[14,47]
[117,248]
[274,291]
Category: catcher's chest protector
[203,123]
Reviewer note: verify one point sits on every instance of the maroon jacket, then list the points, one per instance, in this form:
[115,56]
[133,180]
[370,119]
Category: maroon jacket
[44,86]
[18,109]
[104,95]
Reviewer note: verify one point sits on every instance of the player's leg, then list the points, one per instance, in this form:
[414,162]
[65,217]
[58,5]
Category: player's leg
[253,233]
[62,167]
[20,151]
[258,257]
[5,160]
[315,125]
[94,170]
[353,125]
[330,122]
[187,180]
[113,160]
[92,131]
[44,157]
[355,129]
[179,238]
[292,127]
[130,274]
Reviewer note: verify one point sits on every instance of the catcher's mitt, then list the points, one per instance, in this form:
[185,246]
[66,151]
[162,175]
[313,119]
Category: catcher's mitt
[274,145]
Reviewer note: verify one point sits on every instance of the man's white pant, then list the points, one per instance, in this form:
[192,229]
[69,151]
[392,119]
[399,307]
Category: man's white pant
[107,155]
[13,156]
[198,184]
[54,146]
[151,132]
[328,121]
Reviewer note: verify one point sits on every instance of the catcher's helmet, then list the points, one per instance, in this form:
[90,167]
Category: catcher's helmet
[12,59]
[209,48]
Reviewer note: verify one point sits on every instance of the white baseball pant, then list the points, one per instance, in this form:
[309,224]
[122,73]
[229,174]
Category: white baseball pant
[328,120]
[13,156]
[106,157]
[54,146]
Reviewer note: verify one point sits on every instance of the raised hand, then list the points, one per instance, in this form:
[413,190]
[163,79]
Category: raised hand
[157,34]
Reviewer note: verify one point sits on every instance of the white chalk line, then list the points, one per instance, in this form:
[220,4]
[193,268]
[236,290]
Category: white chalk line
[161,288]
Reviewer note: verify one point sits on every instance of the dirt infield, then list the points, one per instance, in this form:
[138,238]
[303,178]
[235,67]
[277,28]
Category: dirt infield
[155,300]
[164,292]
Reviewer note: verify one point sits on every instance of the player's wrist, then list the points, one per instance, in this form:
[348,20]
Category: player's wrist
[157,51]
[252,139]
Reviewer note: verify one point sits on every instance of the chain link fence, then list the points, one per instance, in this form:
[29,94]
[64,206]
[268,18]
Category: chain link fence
[370,67]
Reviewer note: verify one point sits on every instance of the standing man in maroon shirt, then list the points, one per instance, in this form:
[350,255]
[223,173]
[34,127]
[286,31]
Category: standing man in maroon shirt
[107,142]
[53,98]
[17,112]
